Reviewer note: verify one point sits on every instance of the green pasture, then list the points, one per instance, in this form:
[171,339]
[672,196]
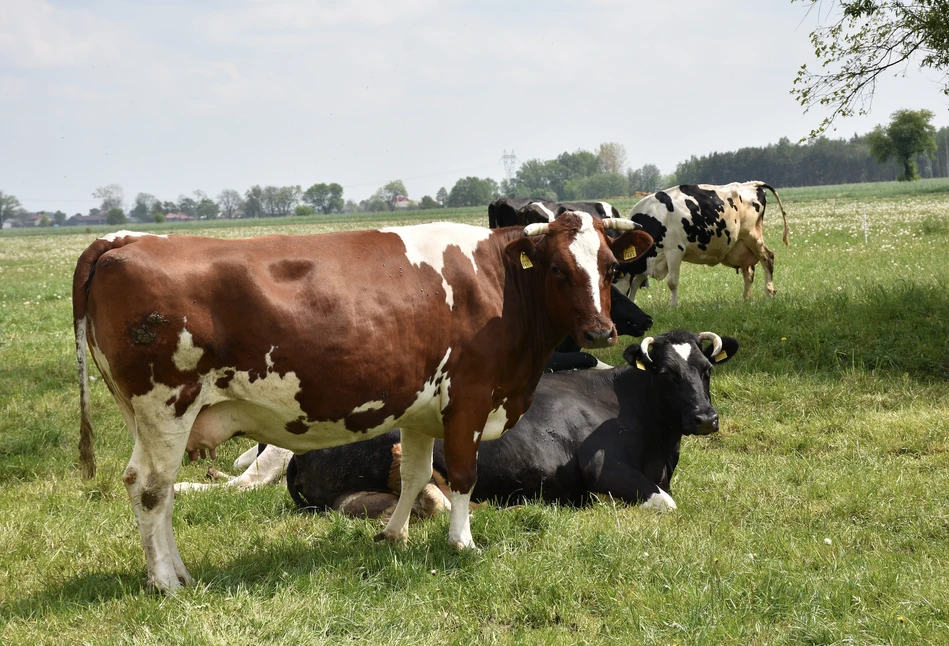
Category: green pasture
[819,514]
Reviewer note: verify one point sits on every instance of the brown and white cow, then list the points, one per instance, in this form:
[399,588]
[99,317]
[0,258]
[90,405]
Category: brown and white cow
[314,341]
[706,225]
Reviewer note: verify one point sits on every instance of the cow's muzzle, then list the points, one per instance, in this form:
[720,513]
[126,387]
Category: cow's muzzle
[706,423]
[599,338]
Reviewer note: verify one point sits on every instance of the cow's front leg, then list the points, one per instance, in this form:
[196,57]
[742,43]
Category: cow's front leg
[611,476]
[461,460]
[416,469]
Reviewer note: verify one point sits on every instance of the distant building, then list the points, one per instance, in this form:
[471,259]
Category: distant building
[178,217]
[86,220]
[402,202]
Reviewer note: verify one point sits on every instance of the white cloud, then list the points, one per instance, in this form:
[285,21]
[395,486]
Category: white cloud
[34,34]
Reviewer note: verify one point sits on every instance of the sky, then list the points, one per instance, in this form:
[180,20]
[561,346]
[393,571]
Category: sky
[171,97]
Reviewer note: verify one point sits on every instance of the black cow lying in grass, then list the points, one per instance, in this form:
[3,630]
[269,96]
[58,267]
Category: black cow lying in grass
[602,432]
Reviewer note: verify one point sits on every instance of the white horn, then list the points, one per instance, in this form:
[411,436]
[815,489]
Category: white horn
[537,229]
[620,224]
[714,338]
[644,347]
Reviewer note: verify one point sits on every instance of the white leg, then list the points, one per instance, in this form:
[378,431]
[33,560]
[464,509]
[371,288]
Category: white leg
[246,458]
[459,528]
[267,468]
[416,469]
[148,479]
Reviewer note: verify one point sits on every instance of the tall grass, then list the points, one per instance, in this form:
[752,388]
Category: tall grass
[818,514]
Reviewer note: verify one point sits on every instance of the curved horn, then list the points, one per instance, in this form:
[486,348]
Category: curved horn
[644,347]
[537,229]
[620,224]
[714,338]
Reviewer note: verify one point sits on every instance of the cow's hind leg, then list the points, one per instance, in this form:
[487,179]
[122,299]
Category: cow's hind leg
[416,473]
[149,480]
[748,273]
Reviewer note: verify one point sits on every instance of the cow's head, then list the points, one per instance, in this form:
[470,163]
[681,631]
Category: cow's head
[681,369]
[577,261]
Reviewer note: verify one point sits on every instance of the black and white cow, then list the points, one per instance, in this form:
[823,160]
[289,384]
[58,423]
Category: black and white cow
[610,433]
[706,225]
[511,211]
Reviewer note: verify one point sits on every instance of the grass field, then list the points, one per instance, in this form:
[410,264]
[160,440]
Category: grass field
[819,514]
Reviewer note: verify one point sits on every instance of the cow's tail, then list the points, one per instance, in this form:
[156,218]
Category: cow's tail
[781,206]
[82,279]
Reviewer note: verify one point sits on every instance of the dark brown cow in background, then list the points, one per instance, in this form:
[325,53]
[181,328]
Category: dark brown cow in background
[314,341]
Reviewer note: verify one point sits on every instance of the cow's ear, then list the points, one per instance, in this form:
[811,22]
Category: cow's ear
[729,348]
[634,356]
[521,252]
[631,246]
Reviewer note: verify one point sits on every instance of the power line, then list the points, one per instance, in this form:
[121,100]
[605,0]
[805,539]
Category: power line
[510,163]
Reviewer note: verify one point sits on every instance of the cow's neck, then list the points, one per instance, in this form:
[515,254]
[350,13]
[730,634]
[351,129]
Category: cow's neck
[533,336]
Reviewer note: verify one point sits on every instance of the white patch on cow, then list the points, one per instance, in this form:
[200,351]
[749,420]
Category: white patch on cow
[607,209]
[368,406]
[268,358]
[494,425]
[111,237]
[261,406]
[459,527]
[186,356]
[477,434]
[683,350]
[601,366]
[585,249]
[427,243]
[661,502]
[550,214]
[246,458]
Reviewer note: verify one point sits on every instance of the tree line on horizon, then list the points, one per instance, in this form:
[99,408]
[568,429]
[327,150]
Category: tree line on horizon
[907,148]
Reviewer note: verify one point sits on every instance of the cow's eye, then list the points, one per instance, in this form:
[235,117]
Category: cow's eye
[555,270]
[610,273]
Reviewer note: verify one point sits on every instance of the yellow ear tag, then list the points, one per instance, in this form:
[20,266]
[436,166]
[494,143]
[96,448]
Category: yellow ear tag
[525,261]
[721,356]
[629,253]
[639,364]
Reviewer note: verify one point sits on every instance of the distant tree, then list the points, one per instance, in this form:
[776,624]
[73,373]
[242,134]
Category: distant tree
[611,158]
[335,202]
[647,179]
[442,196]
[326,198]
[668,181]
[351,206]
[9,207]
[387,194]
[473,191]
[59,218]
[427,203]
[115,216]
[580,163]
[599,186]
[45,220]
[254,202]
[207,209]
[869,38]
[158,216]
[144,205]
[286,199]
[112,197]
[908,135]
[304,209]
[168,207]
[229,202]
[187,205]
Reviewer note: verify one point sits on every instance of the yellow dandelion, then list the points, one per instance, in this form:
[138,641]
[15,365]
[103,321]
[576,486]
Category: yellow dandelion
[902,620]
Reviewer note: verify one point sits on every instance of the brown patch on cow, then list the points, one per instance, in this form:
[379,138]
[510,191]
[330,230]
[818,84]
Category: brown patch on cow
[150,499]
[394,483]
[130,476]
[186,397]
[225,381]
[284,271]
[297,426]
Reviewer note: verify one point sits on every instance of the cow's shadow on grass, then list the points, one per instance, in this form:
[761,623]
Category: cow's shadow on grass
[899,329]
[346,553]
